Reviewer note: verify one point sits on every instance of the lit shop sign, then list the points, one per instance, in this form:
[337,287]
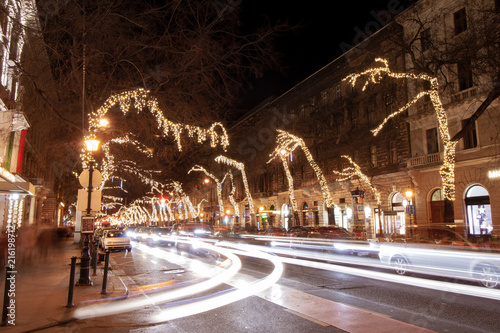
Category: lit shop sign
[494,174]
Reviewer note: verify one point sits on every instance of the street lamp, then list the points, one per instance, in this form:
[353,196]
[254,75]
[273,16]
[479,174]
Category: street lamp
[410,208]
[92,145]
[210,219]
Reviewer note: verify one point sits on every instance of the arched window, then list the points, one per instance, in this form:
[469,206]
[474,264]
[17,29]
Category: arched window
[477,206]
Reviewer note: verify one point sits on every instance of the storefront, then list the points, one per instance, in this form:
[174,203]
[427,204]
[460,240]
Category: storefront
[478,211]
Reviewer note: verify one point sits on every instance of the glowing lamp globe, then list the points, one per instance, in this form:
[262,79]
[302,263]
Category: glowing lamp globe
[92,144]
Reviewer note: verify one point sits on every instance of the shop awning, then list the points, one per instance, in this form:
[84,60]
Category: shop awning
[10,183]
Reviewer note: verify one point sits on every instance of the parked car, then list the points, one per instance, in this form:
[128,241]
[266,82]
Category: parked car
[303,231]
[333,232]
[275,231]
[463,262]
[115,240]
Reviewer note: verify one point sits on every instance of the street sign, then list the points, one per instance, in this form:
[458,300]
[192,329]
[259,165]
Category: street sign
[96,178]
[410,209]
[83,199]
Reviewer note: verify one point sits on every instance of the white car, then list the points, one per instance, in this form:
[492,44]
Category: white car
[462,262]
[115,240]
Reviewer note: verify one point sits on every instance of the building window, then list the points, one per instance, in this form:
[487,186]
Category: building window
[470,137]
[432,141]
[312,101]
[464,72]
[324,97]
[393,151]
[425,39]
[373,156]
[354,116]
[338,92]
[371,117]
[388,104]
[460,20]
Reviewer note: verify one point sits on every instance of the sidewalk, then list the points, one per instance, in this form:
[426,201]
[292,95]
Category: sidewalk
[41,288]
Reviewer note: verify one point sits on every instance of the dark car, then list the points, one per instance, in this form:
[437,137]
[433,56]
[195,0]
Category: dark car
[275,231]
[333,232]
[303,231]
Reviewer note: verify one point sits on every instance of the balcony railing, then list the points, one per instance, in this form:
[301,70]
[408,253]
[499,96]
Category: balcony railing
[426,159]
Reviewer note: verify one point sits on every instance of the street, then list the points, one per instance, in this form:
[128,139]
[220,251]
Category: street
[296,303]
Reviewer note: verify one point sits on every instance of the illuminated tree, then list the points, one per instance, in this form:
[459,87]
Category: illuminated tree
[374,75]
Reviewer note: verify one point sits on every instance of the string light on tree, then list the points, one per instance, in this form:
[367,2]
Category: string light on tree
[283,153]
[447,170]
[140,99]
[217,182]
[231,195]
[241,167]
[288,142]
[353,171]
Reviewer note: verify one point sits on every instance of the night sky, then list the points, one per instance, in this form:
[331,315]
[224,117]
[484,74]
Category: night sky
[325,25]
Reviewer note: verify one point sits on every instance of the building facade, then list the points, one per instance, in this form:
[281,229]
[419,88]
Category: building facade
[26,183]
[455,34]
[391,182]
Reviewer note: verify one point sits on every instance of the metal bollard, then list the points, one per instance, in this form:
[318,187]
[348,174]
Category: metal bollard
[105,278]
[6,297]
[71,283]
[94,258]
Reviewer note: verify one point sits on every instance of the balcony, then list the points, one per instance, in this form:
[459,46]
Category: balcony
[461,95]
[425,160]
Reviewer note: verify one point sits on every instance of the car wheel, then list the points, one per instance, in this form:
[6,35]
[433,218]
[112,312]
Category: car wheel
[487,275]
[400,265]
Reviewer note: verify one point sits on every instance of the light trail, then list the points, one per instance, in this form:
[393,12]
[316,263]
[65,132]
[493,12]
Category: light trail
[217,300]
[133,304]
[463,289]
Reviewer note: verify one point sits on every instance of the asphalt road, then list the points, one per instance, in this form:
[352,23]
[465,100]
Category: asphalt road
[294,304]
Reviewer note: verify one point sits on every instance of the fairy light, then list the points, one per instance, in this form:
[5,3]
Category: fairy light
[217,182]
[241,167]
[177,187]
[374,75]
[355,170]
[291,194]
[231,195]
[288,142]
[140,99]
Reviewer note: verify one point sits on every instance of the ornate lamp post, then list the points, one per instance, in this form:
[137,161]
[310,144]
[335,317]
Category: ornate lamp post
[211,217]
[91,145]
[410,209]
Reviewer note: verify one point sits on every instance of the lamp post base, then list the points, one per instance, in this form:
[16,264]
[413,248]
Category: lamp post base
[84,279]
